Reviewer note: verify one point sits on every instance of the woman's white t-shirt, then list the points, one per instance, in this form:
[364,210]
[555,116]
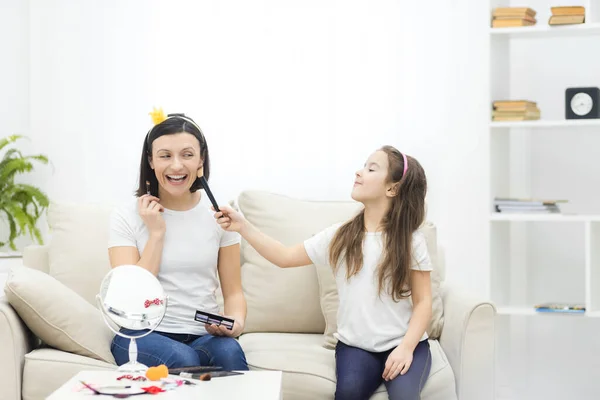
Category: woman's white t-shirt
[188,267]
[366,319]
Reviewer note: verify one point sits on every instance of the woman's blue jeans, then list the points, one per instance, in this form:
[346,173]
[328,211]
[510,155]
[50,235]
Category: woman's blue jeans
[181,350]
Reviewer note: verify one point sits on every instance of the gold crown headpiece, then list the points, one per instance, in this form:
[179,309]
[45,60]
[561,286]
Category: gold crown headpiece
[158,116]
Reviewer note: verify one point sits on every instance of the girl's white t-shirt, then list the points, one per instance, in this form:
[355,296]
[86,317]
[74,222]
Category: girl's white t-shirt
[366,319]
[188,267]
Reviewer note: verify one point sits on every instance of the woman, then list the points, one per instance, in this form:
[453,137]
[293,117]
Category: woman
[171,234]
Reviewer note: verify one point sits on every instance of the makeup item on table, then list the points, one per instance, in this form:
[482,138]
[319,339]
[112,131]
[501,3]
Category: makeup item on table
[204,184]
[195,369]
[104,387]
[210,318]
[119,392]
[207,376]
[219,374]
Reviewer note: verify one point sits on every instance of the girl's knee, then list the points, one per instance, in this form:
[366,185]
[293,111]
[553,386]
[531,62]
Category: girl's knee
[351,390]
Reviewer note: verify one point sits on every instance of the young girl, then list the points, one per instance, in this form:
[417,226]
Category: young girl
[380,262]
[169,232]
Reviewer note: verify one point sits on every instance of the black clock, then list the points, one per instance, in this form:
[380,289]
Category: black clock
[582,103]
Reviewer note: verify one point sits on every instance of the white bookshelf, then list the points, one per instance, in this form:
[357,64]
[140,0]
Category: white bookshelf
[544,31]
[517,278]
[510,144]
[543,124]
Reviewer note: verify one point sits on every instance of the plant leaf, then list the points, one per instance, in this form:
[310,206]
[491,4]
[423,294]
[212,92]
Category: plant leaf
[8,140]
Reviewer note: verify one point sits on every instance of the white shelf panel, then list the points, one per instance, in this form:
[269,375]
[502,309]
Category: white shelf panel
[547,31]
[531,311]
[544,217]
[546,123]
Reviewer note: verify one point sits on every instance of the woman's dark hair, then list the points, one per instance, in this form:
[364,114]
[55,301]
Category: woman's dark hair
[175,123]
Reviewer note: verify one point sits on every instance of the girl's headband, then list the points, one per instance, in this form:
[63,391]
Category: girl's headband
[405,164]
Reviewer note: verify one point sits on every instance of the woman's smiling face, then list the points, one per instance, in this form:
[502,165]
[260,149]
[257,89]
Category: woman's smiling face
[175,161]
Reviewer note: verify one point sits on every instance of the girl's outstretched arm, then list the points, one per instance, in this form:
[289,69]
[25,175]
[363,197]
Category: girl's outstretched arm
[271,249]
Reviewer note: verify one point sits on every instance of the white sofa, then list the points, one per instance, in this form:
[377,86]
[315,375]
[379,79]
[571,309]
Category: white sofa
[50,328]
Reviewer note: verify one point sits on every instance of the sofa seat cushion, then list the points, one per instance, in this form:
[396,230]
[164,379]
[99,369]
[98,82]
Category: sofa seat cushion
[309,368]
[48,369]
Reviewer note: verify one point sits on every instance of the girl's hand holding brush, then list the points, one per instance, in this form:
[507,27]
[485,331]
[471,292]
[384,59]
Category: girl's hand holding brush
[230,220]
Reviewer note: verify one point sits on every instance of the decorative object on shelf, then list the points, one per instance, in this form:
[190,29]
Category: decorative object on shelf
[22,204]
[527,206]
[504,17]
[515,110]
[567,15]
[582,103]
[560,308]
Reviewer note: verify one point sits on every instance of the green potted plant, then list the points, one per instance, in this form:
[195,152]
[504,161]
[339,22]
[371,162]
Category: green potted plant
[21,205]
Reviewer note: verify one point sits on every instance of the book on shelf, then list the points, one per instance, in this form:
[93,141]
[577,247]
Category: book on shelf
[515,110]
[567,15]
[504,17]
[560,308]
[527,206]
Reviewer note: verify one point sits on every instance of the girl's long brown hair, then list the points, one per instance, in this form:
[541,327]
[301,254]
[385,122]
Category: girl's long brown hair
[405,216]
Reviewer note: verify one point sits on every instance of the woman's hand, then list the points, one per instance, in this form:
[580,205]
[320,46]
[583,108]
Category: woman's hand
[221,330]
[150,211]
[229,219]
[397,363]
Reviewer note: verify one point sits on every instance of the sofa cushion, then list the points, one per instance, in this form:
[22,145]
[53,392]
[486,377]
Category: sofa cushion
[46,370]
[269,288]
[309,369]
[57,315]
[330,301]
[78,254]
[270,285]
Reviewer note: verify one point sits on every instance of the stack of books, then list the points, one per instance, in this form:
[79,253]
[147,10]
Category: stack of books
[504,17]
[515,110]
[527,206]
[567,15]
[560,308]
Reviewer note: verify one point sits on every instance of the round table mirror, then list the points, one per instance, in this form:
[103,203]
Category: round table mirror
[132,298]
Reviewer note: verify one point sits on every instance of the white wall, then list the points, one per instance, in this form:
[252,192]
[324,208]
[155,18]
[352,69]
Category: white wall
[14,79]
[14,68]
[292,96]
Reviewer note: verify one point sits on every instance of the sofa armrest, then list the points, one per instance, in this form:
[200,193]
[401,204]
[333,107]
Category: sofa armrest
[468,340]
[16,341]
[36,256]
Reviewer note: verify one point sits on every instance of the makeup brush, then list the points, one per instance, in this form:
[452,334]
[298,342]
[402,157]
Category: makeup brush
[148,187]
[204,184]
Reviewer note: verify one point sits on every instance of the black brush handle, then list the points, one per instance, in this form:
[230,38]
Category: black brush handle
[209,193]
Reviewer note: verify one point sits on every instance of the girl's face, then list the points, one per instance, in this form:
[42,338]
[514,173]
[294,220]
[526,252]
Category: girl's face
[175,161]
[371,183]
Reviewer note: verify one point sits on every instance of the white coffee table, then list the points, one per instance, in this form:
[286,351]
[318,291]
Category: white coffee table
[252,385]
